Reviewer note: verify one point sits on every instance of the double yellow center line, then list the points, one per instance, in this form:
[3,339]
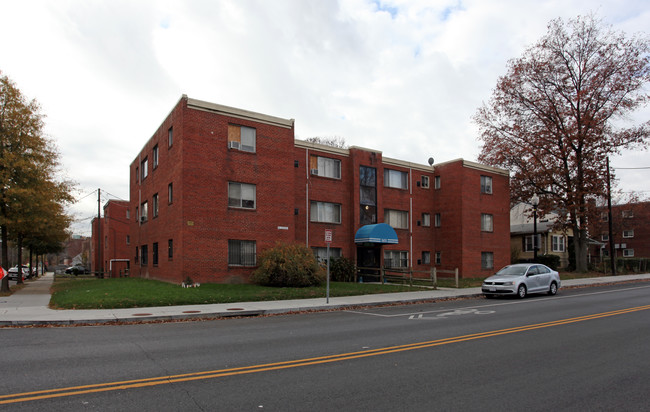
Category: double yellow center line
[186,377]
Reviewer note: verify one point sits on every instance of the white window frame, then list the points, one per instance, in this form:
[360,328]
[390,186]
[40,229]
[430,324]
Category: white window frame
[144,169]
[436,182]
[327,167]
[144,211]
[426,257]
[604,237]
[437,220]
[238,200]
[396,179]
[155,203]
[558,243]
[325,212]
[529,242]
[628,252]
[628,234]
[487,222]
[321,253]
[397,219]
[426,219]
[155,157]
[627,214]
[425,182]
[391,256]
[486,185]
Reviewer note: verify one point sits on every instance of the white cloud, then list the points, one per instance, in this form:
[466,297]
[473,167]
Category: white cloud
[403,77]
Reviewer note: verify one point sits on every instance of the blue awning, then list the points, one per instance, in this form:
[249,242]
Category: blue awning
[379,233]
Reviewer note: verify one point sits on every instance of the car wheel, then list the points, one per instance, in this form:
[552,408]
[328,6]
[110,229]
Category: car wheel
[552,290]
[521,291]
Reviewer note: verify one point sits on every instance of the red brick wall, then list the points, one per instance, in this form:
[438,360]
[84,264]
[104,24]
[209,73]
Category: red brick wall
[115,230]
[200,165]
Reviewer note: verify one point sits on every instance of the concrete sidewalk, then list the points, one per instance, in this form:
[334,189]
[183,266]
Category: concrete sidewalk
[29,306]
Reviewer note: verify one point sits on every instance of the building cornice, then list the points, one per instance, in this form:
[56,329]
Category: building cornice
[239,113]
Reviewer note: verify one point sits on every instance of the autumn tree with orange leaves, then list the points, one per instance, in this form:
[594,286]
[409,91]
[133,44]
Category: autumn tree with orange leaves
[556,116]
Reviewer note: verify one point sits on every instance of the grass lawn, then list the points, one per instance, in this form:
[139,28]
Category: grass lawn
[136,292]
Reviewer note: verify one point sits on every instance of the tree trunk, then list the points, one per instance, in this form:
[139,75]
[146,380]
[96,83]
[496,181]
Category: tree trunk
[19,245]
[5,258]
[580,248]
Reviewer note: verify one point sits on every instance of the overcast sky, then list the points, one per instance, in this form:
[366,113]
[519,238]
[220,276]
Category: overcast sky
[401,77]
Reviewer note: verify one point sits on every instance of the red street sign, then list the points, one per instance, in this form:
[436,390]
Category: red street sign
[328,235]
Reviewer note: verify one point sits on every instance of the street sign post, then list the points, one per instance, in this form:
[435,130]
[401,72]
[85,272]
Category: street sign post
[328,240]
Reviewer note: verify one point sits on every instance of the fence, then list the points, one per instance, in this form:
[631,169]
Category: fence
[403,275]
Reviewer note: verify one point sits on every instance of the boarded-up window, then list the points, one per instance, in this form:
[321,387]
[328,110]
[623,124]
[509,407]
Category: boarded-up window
[241,138]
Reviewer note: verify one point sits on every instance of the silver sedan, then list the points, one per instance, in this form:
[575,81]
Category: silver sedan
[522,279]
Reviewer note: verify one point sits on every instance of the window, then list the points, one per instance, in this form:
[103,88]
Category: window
[241,252]
[557,244]
[170,137]
[398,219]
[426,258]
[128,214]
[438,257]
[486,222]
[321,253]
[396,179]
[154,254]
[605,252]
[170,249]
[436,220]
[628,252]
[144,167]
[137,256]
[170,193]
[154,203]
[144,255]
[325,167]
[426,219]
[396,259]
[604,217]
[145,212]
[486,185]
[241,195]
[528,242]
[425,182]
[137,215]
[627,214]
[368,195]
[436,182]
[128,239]
[325,212]
[241,138]
[604,237]
[487,260]
[628,233]
[155,157]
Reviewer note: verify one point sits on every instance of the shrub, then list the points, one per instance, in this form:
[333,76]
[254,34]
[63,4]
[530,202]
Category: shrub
[342,270]
[288,265]
[552,261]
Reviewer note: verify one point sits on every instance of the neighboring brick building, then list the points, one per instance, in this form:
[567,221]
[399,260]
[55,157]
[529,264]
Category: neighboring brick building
[631,232]
[216,185]
[114,260]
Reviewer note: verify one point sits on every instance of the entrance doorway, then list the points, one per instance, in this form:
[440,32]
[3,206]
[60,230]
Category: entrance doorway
[369,263]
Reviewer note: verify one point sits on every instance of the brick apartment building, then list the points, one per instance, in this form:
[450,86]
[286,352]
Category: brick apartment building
[114,259]
[215,185]
[631,232]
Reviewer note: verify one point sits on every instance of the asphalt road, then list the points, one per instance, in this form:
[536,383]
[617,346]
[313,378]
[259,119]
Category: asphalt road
[584,349]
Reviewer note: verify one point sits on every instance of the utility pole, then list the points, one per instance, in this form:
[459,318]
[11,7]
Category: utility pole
[99,233]
[609,219]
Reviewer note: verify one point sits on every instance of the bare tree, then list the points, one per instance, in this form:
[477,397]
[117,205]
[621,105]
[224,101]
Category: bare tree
[550,120]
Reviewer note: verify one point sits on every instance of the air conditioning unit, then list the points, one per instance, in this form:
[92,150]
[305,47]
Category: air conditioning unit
[233,145]
[314,172]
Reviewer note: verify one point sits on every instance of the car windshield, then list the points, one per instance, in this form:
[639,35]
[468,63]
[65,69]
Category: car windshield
[513,270]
